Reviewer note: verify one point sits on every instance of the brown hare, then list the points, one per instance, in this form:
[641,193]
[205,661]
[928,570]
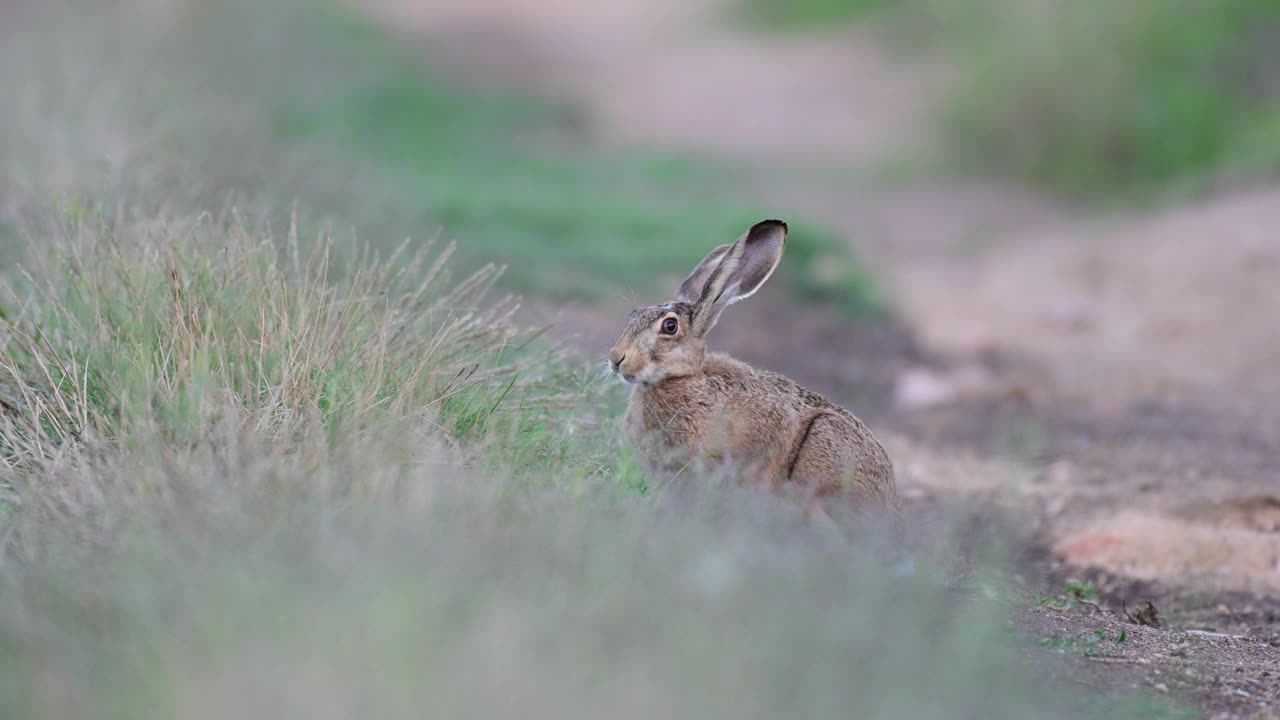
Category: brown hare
[689,406]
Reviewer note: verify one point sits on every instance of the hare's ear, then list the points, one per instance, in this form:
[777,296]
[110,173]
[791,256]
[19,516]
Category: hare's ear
[691,289]
[741,271]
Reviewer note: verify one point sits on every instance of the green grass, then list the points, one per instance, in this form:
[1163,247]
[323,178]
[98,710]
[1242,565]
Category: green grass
[154,333]
[1074,594]
[134,337]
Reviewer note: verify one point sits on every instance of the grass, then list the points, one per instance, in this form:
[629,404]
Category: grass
[125,336]
[250,468]
[1100,101]
[1085,645]
[1075,594]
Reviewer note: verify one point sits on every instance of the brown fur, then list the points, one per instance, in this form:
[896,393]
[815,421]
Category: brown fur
[690,406]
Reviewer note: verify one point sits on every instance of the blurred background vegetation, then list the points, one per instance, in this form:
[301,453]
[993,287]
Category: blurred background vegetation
[1101,101]
[508,172]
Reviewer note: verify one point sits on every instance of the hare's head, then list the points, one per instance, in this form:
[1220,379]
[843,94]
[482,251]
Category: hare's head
[669,340]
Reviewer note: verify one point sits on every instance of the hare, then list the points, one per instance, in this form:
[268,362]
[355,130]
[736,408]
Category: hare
[689,405]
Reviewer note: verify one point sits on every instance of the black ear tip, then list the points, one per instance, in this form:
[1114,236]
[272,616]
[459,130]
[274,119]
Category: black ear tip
[769,224]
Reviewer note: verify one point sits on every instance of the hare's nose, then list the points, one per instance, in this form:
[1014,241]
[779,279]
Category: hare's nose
[616,357]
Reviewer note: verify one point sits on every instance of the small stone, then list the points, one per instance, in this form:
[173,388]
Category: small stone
[1055,506]
[912,493]
[919,388]
[1162,687]
[1060,472]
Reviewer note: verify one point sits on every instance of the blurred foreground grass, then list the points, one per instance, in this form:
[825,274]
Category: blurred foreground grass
[1096,99]
[250,469]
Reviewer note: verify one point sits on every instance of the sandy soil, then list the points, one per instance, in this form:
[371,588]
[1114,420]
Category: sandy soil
[1112,379]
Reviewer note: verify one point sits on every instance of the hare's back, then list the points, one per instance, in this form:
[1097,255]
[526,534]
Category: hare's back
[763,390]
[781,407]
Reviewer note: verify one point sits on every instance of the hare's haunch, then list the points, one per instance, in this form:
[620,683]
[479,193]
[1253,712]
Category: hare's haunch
[689,405]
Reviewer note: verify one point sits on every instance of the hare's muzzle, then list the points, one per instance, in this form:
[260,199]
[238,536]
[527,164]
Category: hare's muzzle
[616,358]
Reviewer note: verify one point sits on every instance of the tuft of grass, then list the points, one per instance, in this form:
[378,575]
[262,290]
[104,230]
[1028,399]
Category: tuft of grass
[1075,593]
[157,327]
[133,345]
[1094,644]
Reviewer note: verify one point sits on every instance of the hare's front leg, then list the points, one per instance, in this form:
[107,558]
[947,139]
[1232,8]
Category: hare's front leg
[662,454]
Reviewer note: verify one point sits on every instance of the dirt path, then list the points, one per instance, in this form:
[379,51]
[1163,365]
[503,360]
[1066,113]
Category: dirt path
[667,73]
[1114,379]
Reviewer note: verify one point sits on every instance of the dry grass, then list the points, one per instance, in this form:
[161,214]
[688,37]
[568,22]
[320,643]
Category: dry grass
[157,326]
[162,334]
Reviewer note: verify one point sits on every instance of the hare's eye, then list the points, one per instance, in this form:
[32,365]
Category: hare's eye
[669,326]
